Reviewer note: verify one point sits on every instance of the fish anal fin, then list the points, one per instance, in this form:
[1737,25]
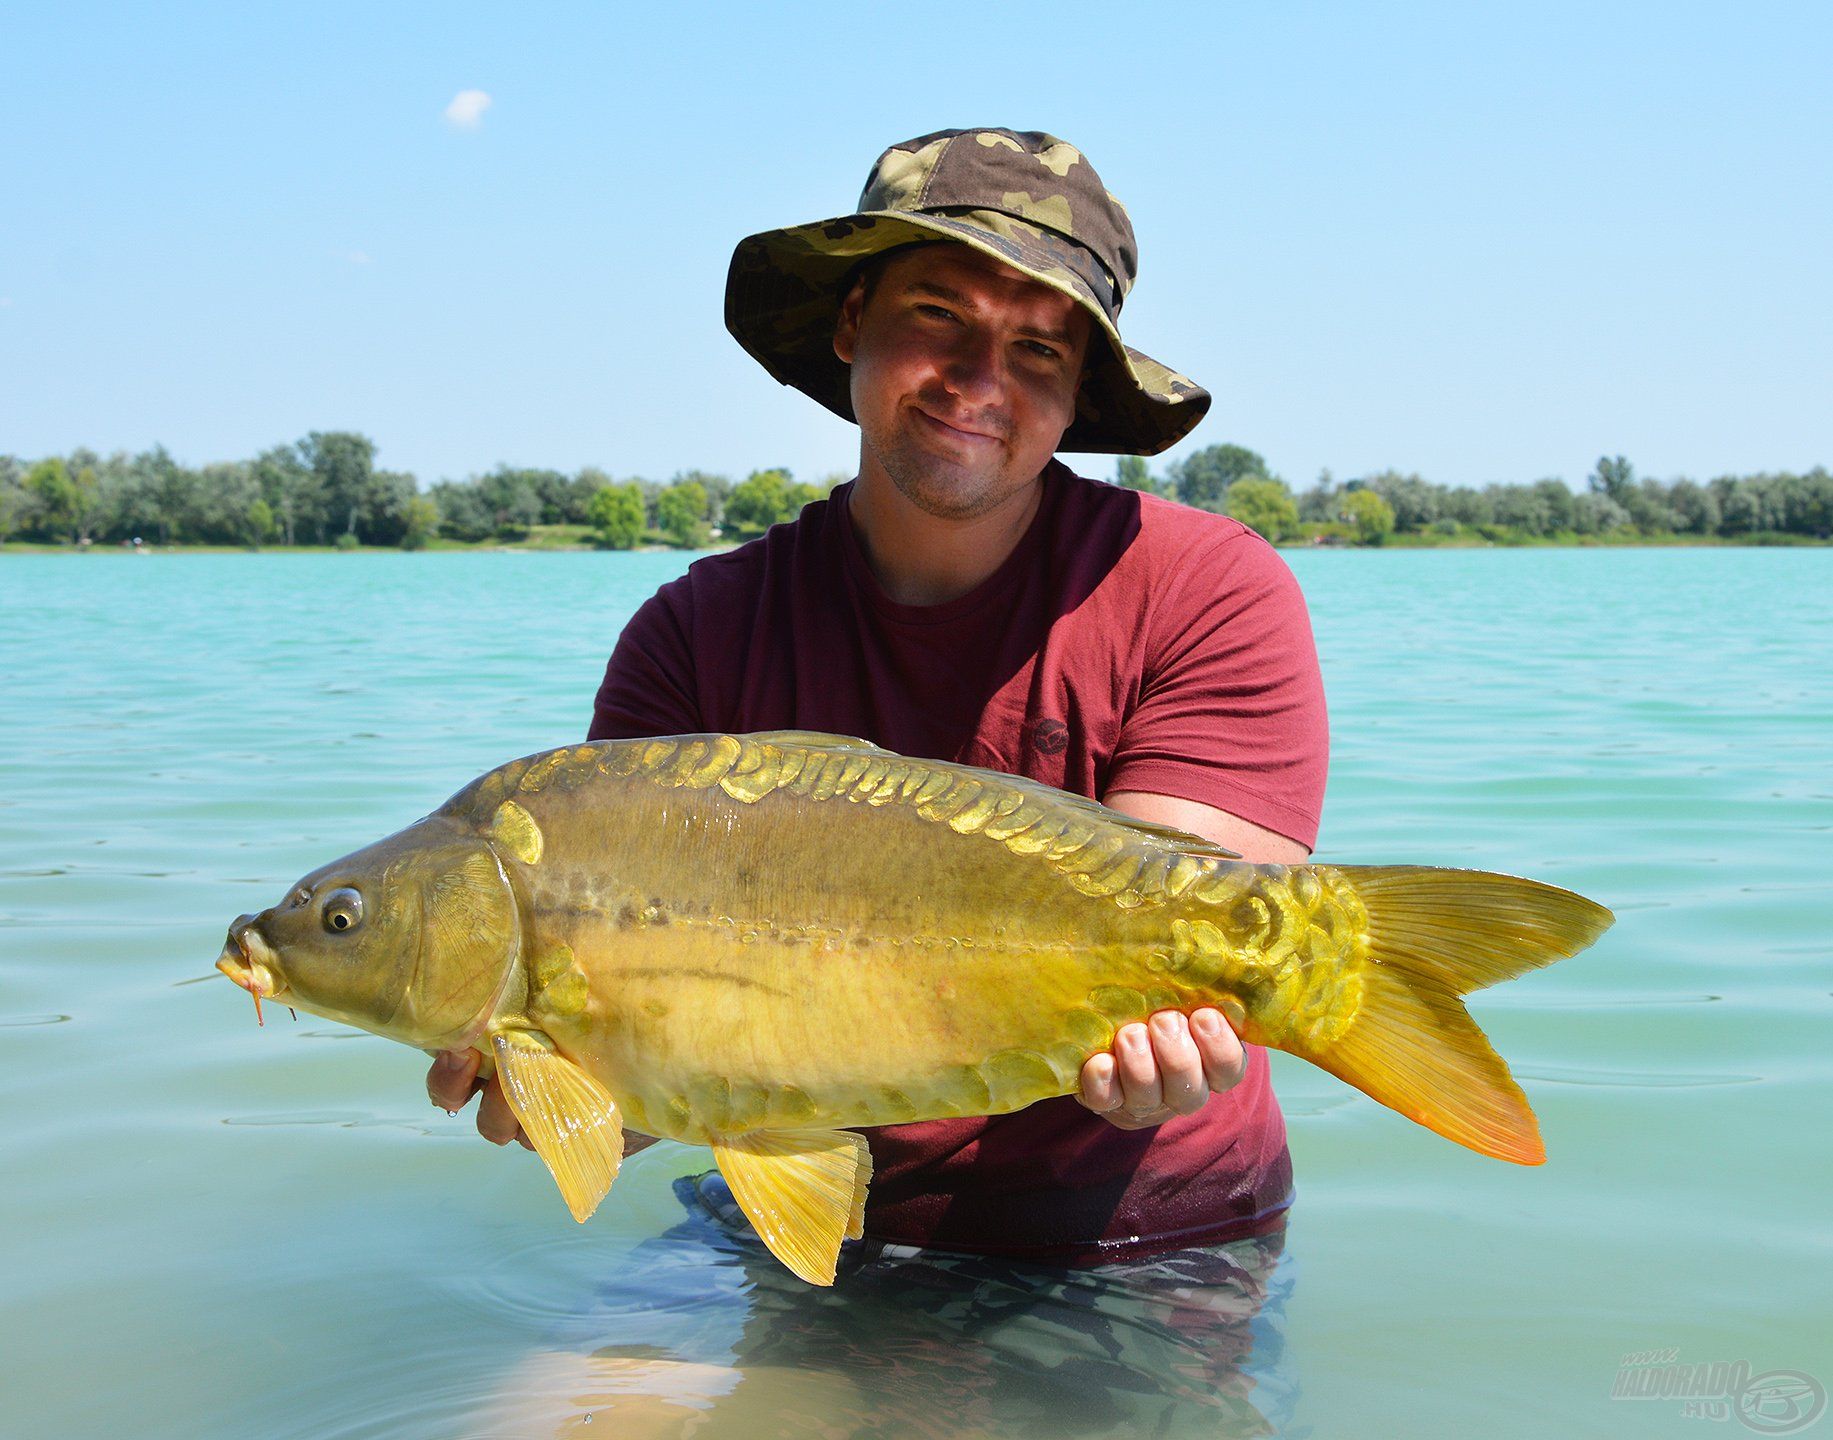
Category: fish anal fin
[569,1117]
[804,1191]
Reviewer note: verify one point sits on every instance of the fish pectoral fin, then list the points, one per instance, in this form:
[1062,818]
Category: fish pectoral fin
[804,1191]
[569,1118]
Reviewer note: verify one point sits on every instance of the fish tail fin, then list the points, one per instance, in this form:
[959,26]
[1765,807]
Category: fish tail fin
[1433,936]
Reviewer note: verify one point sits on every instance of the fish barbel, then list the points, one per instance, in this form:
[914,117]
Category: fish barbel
[751,941]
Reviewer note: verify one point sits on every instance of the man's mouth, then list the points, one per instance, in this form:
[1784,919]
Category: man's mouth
[961,434]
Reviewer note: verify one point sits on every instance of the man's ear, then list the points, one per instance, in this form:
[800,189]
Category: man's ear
[846,327]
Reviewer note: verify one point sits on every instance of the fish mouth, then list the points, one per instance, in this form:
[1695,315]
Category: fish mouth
[247,960]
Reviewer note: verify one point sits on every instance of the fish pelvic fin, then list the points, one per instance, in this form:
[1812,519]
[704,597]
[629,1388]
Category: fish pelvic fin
[804,1191]
[569,1117]
[1432,936]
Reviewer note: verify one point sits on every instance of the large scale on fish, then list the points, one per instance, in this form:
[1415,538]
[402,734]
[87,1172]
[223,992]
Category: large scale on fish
[752,942]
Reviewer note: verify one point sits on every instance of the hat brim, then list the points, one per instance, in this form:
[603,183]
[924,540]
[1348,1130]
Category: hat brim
[783,295]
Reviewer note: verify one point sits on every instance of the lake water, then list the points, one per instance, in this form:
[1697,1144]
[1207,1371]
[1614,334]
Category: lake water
[212,1230]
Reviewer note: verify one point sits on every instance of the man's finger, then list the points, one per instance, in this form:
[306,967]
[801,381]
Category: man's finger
[1138,1069]
[1224,1061]
[450,1081]
[496,1122]
[1181,1080]
[1100,1090]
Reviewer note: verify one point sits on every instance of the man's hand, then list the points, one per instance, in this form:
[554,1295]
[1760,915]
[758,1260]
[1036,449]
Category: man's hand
[1167,1066]
[452,1082]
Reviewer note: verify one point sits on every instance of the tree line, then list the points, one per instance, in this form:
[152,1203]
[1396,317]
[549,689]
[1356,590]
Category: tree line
[327,490]
[1614,505]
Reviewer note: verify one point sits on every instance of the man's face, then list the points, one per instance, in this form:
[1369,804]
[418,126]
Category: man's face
[964,376]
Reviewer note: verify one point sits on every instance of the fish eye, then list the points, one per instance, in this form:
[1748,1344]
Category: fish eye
[343,910]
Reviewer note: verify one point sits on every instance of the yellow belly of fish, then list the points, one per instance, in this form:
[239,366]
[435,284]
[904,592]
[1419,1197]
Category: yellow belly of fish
[700,1032]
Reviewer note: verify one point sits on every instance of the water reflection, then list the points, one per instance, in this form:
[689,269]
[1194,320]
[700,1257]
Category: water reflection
[705,1334]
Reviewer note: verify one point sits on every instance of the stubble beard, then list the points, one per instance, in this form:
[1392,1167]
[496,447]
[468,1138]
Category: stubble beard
[944,488]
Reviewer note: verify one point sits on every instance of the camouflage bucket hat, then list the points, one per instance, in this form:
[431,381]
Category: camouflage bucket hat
[1020,196]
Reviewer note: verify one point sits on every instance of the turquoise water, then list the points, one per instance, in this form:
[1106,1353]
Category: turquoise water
[212,1230]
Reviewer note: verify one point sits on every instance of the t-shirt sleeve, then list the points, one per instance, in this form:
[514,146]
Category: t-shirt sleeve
[649,686]
[1231,709]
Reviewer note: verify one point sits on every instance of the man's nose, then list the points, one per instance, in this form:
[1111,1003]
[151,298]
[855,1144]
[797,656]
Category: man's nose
[976,369]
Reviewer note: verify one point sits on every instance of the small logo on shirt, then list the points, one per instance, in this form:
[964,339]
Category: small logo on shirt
[1049,737]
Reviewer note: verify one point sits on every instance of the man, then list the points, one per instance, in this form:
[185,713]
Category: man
[968,598]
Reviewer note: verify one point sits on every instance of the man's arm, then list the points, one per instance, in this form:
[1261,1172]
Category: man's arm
[1171,1065]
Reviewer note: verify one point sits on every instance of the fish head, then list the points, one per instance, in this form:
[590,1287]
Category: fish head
[415,938]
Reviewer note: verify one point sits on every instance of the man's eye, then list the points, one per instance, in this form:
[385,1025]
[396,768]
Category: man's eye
[937,311]
[1039,348]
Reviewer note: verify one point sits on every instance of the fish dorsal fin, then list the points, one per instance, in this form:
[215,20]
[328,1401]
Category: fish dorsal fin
[804,1191]
[570,1118]
[1065,802]
[1101,852]
[819,738]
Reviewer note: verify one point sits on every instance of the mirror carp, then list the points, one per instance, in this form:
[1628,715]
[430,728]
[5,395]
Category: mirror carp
[752,942]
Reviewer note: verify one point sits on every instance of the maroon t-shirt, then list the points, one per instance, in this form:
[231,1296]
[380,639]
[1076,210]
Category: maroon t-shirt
[1127,643]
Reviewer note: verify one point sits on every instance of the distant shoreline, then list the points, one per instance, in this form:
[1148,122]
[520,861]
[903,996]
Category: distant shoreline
[539,546]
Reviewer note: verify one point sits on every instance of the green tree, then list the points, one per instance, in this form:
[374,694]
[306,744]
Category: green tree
[1131,473]
[343,464]
[1594,513]
[88,490]
[717,487]
[385,517]
[1202,479]
[1695,508]
[219,502]
[1370,515]
[1557,499]
[512,501]
[1810,507]
[293,492]
[765,498]
[1520,507]
[1468,506]
[1263,505]
[1415,502]
[56,502]
[262,527]
[1613,477]
[1320,502]
[171,493]
[12,494]
[681,513]
[1649,509]
[580,490]
[616,512]
[419,522]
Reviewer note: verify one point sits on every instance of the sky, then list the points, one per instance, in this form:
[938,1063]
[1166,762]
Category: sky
[1477,242]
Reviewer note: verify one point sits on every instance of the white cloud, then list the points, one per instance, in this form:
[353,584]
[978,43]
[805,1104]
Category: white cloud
[466,112]
[357,257]
[6,302]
